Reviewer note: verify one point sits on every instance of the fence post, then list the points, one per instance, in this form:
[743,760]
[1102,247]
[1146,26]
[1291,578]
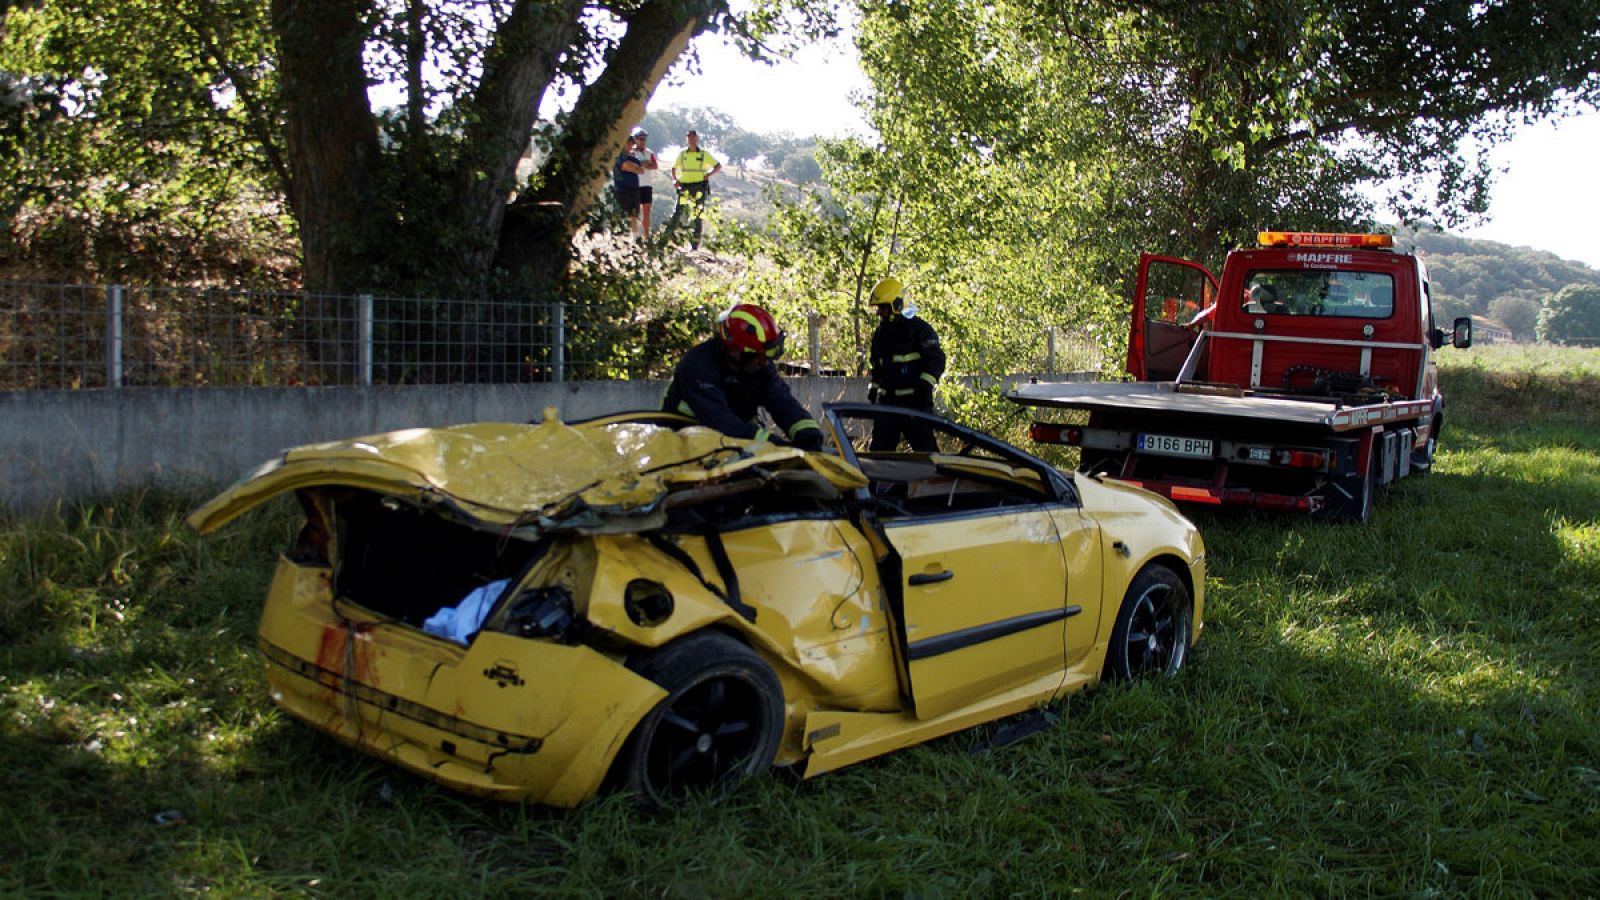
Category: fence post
[814,341]
[1050,350]
[558,342]
[364,340]
[114,336]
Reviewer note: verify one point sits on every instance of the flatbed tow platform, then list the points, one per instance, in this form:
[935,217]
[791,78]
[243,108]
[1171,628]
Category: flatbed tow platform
[1183,400]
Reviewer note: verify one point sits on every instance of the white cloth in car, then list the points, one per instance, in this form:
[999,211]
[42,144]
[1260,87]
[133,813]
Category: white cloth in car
[460,622]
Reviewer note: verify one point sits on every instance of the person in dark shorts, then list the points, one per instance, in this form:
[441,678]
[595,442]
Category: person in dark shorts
[647,163]
[625,183]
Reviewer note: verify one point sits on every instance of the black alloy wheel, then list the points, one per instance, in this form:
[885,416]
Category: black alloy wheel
[719,724]
[1152,633]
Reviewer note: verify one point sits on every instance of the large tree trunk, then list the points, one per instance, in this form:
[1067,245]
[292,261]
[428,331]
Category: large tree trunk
[331,138]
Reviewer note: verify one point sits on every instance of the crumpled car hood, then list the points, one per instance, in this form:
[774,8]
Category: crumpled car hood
[606,475]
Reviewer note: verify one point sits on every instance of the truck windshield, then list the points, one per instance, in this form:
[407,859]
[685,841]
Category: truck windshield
[1319,292]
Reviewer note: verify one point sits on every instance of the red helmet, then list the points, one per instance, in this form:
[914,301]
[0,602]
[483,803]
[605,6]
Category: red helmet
[747,330]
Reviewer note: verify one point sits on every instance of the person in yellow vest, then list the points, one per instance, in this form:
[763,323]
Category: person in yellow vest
[691,175]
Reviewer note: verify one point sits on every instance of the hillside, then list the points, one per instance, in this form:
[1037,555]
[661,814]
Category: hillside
[1479,272]
[742,193]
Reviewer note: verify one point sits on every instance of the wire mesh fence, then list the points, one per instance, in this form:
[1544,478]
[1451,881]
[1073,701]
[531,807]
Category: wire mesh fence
[80,336]
[56,336]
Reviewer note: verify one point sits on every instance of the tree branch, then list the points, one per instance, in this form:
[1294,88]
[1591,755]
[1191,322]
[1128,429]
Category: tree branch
[258,119]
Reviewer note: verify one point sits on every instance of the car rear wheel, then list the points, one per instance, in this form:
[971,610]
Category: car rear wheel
[720,722]
[1152,632]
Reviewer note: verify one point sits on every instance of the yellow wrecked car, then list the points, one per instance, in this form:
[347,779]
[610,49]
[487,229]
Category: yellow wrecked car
[535,611]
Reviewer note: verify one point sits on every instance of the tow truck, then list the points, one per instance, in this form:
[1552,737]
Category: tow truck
[1303,379]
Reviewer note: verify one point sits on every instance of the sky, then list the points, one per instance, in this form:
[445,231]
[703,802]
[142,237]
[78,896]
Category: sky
[1547,196]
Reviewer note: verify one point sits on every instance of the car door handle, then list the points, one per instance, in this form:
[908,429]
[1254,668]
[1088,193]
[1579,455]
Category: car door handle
[930,577]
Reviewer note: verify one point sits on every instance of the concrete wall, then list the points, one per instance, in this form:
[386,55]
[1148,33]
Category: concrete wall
[76,445]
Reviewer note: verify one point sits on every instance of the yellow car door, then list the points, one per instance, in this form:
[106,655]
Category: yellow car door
[985,602]
[979,537]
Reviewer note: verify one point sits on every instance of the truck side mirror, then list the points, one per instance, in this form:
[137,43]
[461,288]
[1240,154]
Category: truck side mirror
[1461,338]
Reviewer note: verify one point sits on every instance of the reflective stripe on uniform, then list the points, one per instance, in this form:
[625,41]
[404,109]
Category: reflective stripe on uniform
[929,378]
[802,425]
[906,357]
[762,434]
[685,408]
[902,392]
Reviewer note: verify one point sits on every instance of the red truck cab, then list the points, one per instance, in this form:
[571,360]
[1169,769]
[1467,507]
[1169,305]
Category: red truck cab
[1304,313]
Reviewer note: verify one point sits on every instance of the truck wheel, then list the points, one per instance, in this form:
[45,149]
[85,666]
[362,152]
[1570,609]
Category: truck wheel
[1422,460]
[1101,462]
[1151,636]
[720,723]
[1348,499]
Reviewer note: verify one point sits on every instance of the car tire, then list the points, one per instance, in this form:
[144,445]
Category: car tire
[1154,627]
[720,723]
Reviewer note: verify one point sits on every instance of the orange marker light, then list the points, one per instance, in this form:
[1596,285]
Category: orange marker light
[1324,239]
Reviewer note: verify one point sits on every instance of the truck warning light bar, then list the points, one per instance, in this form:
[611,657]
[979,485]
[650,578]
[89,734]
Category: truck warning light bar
[1324,239]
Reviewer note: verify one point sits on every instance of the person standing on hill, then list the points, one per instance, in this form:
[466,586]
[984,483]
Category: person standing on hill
[625,183]
[647,164]
[907,362]
[691,175]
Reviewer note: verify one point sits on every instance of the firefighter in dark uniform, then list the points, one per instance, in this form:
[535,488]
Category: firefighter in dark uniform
[906,364]
[723,382]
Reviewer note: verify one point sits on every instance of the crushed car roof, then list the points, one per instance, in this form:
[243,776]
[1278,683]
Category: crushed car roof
[607,474]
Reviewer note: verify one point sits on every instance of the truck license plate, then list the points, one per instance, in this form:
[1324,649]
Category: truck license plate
[1167,445]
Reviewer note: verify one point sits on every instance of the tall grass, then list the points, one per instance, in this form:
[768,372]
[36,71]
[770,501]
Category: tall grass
[1407,707]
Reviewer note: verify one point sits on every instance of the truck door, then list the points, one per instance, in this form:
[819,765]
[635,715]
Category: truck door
[1173,301]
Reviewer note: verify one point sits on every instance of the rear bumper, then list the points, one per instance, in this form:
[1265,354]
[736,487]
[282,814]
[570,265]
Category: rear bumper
[1214,496]
[505,717]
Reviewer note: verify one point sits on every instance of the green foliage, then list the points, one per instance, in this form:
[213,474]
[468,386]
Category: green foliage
[1028,152]
[1519,314]
[198,112]
[670,125]
[801,168]
[621,323]
[1447,308]
[1572,316]
[127,136]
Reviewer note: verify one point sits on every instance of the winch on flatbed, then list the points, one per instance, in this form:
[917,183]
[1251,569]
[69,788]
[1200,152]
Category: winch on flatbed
[1302,379]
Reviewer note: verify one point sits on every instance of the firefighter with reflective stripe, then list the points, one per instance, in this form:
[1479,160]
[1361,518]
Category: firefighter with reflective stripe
[907,362]
[725,381]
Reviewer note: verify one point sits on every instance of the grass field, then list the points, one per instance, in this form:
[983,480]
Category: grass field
[1408,707]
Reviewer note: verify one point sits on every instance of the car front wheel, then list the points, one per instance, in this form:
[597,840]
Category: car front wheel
[1152,632]
[720,722]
